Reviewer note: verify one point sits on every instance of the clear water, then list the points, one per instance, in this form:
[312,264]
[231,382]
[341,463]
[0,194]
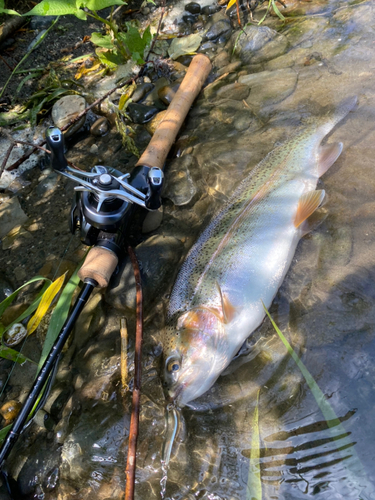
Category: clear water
[326,309]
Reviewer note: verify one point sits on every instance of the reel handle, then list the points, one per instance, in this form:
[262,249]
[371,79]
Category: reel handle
[165,135]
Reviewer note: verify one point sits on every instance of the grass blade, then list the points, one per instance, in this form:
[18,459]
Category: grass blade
[59,316]
[323,404]
[254,485]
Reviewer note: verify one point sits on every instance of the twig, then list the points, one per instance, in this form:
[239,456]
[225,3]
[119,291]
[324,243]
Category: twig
[134,421]
[124,354]
[5,62]
[157,31]
[6,158]
[72,121]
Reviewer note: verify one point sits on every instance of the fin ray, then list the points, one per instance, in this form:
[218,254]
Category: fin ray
[307,205]
[328,154]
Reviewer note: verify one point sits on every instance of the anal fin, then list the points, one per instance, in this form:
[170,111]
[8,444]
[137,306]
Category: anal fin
[307,205]
[328,154]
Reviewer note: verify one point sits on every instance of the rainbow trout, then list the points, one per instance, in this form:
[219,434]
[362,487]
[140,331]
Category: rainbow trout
[241,259]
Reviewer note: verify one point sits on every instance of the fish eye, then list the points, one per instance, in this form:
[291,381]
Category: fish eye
[173,366]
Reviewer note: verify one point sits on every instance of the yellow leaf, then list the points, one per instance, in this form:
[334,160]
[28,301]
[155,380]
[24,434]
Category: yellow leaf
[84,71]
[231,2]
[126,95]
[44,304]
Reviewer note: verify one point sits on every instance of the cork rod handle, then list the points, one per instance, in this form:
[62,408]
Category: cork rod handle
[165,135]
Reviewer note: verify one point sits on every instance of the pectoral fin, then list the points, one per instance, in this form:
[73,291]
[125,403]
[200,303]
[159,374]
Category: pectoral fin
[328,154]
[229,310]
[307,205]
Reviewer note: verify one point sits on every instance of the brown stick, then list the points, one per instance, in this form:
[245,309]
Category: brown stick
[72,121]
[134,421]
[6,158]
[157,31]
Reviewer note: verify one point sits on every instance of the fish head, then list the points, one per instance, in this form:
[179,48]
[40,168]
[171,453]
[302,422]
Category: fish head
[193,355]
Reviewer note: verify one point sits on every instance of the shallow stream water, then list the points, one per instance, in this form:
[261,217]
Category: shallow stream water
[325,307]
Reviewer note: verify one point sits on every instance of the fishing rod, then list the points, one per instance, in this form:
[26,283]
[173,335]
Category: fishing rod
[101,211]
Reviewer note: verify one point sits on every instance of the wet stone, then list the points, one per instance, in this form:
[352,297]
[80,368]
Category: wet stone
[193,8]
[167,93]
[269,87]
[222,59]
[153,124]
[218,29]
[209,10]
[179,185]
[158,257]
[243,120]
[6,287]
[140,113]
[259,43]
[230,68]
[235,91]
[189,18]
[67,108]
[152,221]
[207,47]
[141,91]
[100,127]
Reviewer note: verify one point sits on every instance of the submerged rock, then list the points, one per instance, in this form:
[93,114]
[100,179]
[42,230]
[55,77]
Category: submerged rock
[179,186]
[140,113]
[269,87]
[258,43]
[158,257]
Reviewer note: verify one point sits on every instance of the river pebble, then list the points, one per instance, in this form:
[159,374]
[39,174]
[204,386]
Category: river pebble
[140,113]
[67,108]
[100,127]
[193,7]
[219,28]
[141,91]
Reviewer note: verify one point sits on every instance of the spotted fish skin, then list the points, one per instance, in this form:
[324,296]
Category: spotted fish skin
[241,259]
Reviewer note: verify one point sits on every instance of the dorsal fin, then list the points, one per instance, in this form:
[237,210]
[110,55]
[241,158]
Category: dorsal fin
[328,154]
[307,205]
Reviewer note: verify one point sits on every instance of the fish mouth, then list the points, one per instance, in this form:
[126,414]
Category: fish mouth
[176,394]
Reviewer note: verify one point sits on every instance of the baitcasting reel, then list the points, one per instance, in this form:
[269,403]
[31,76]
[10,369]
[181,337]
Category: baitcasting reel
[104,196]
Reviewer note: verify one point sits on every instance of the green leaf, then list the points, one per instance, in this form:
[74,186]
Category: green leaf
[102,4]
[185,45]
[25,79]
[13,355]
[4,432]
[12,117]
[102,41]
[109,58]
[53,8]
[135,42]
[254,485]
[7,302]
[59,315]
